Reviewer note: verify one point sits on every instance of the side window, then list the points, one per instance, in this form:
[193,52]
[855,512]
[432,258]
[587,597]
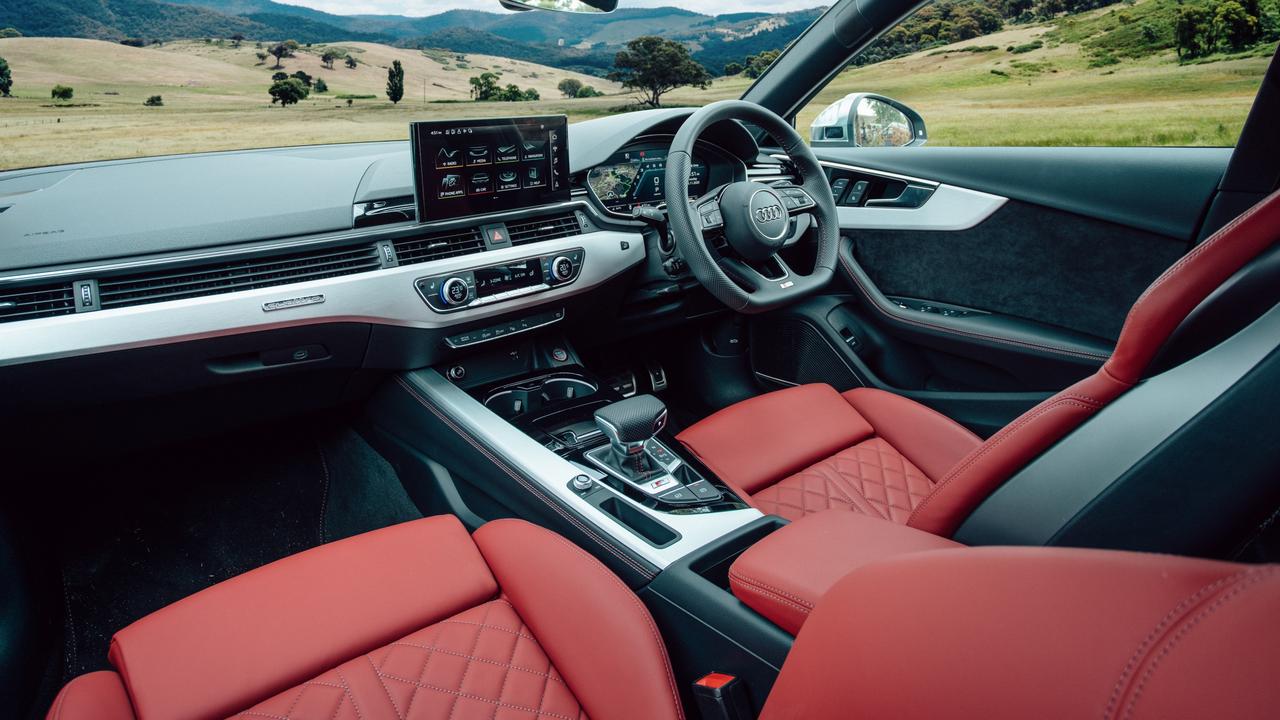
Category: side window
[1054,73]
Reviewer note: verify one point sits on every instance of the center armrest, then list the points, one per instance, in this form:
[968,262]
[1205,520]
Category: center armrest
[783,576]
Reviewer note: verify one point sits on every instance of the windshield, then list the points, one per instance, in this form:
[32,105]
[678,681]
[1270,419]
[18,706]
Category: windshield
[133,78]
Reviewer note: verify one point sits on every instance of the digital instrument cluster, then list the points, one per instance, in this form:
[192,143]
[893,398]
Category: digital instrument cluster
[637,176]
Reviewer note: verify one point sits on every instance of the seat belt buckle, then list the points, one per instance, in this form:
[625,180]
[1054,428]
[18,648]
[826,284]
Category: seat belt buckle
[722,697]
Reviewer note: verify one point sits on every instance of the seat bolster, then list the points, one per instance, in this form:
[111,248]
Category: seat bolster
[241,641]
[984,469]
[932,441]
[783,576]
[596,631]
[761,440]
[94,696]
[1012,633]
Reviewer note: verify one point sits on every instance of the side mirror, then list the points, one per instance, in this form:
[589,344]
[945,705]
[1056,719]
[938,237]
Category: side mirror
[569,6]
[867,120]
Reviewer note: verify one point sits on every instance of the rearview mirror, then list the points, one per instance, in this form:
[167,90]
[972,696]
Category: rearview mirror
[867,120]
[569,6]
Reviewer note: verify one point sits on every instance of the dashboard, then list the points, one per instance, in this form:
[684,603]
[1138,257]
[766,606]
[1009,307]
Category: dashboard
[170,252]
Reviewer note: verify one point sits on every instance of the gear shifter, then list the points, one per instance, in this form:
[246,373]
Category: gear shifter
[630,424]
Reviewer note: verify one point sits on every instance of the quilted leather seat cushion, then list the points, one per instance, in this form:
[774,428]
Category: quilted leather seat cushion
[482,662]
[418,620]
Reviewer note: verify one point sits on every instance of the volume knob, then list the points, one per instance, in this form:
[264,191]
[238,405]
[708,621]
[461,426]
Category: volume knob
[454,291]
[562,268]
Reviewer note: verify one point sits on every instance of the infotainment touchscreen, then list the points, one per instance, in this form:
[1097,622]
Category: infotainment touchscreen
[471,167]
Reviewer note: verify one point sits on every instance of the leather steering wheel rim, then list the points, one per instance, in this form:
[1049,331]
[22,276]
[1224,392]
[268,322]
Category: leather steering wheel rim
[686,222]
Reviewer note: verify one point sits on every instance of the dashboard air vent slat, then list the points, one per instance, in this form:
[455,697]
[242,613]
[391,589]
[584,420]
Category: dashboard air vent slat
[439,246]
[29,303]
[544,228]
[232,276]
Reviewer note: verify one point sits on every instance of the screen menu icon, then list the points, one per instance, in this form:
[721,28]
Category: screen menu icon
[479,155]
[449,158]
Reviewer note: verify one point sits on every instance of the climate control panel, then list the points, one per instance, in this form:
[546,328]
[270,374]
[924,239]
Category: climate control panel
[495,283]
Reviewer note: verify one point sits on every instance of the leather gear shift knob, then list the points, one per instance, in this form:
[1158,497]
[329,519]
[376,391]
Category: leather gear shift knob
[630,423]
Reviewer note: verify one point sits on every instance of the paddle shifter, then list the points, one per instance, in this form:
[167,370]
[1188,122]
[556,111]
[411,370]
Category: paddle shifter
[630,424]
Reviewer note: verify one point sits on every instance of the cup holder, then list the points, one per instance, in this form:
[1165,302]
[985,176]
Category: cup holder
[516,399]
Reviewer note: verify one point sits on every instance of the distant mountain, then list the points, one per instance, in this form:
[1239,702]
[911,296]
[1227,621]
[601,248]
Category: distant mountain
[582,42]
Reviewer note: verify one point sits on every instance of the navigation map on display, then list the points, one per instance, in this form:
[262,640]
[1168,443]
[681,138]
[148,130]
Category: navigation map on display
[638,177]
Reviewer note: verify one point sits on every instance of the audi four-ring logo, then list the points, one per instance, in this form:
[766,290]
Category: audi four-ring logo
[769,213]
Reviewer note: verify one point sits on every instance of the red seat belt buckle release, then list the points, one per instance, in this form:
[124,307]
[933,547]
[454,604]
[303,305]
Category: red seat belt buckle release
[722,697]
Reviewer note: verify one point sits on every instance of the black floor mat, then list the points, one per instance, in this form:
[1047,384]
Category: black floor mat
[152,530]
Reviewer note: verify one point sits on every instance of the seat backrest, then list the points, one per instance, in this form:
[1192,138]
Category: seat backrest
[1150,323]
[1038,632]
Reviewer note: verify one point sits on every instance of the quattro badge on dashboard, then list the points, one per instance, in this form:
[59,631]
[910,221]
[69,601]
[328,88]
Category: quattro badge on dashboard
[292,303]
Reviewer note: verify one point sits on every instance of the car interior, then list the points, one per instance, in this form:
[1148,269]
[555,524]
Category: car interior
[837,432]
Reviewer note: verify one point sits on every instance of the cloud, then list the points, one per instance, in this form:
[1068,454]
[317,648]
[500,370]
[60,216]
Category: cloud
[418,8]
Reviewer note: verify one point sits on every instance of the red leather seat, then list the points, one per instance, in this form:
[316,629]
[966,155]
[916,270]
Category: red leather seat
[809,448]
[1017,633]
[417,620]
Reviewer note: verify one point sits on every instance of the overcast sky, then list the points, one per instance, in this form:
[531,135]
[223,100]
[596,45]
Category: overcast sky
[431,7]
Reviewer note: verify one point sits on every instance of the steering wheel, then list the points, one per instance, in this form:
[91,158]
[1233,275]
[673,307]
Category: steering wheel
[745,272]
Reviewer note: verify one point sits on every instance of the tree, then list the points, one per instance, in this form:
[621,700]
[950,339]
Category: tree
[288,92]
[303,77]
[6,78]
[757,64]
[61,92]
[1192,31]
[278,76]
[733,68]
[1233,27]
[321,86]
[351,62]
[395,82]
[485,87]
[569,87]
[154,101]
[655,66]
[589,92]
[283,50]
[329,56]
[9,33]
[262,57]
[236,40]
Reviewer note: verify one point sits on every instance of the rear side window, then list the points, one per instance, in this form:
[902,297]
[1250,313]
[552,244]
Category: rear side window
[1065,72]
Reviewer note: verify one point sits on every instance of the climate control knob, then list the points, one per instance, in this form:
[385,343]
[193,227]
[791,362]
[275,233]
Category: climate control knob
[561,268]
[454,292]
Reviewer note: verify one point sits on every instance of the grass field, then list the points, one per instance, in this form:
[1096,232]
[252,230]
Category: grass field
[215,97]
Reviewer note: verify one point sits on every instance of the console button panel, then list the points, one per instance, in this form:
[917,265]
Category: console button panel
[505,281]
[501,330]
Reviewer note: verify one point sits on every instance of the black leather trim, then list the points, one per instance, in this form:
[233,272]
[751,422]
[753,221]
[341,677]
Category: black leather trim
[989,329]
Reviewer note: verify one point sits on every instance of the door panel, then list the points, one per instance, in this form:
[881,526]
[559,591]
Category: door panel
[1019,291]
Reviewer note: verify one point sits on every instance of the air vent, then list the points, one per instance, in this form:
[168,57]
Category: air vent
[440,246]
[29,303]
[771,172]
[546,228]
[233,276]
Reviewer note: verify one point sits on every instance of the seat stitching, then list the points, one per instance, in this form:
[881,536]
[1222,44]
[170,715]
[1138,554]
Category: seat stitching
[453,653]
[346,688]
[490,627]
[459,694]
[1151,637]
[506,675]
[737,575]
[998,438]
[475,643]
[774,597]
[523,482]
[342,699]
[421,672]
[1187,626]
[387,690]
